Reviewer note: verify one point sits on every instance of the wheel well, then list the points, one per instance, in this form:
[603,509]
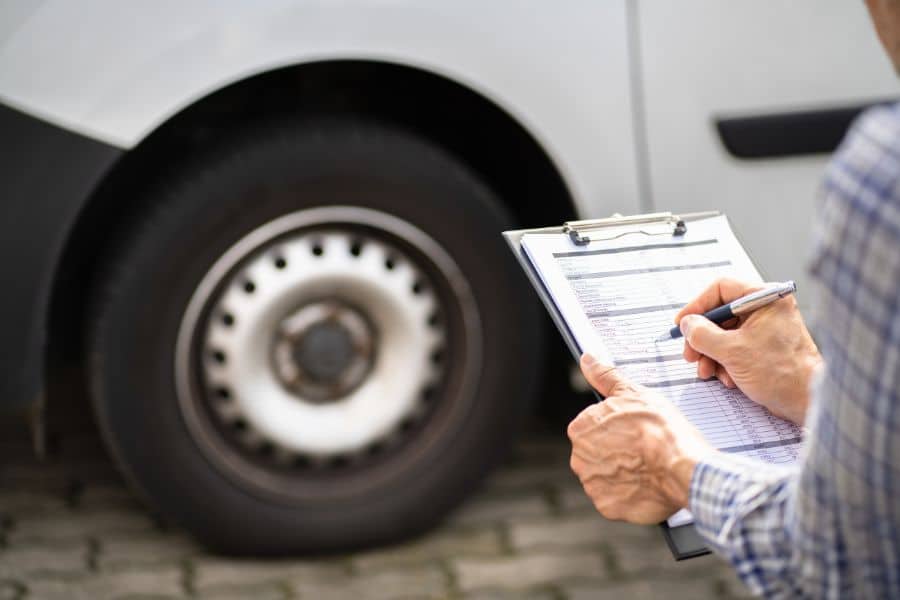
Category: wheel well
[466,124]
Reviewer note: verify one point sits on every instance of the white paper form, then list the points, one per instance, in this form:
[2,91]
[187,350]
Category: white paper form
[619,293]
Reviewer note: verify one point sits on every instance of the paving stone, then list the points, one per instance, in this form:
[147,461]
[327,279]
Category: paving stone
[214,573]
[22,502]
[531,477]
[643,589]
[494,509]
[572,498]
[534,508]
[55,476]
[542,450]
[30,561]
[76,524]
[150,549]
[422,582]
[36,478]
[578,530]
[538,594]
[107,495]
[527,570]
[620,531]
[146,583]
[725,577]
[11,590]
[633,556]
[434,546]
[254,592]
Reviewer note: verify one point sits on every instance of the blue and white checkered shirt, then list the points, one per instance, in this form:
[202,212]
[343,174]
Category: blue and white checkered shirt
[830,527]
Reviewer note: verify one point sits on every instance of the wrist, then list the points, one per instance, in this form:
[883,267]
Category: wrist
[682,465]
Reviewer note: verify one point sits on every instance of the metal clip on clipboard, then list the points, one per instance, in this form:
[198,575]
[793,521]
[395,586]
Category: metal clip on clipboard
[662,223]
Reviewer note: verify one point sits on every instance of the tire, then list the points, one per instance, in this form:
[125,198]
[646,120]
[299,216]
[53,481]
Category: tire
[213,301]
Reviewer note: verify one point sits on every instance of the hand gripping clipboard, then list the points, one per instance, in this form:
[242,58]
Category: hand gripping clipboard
[683,541]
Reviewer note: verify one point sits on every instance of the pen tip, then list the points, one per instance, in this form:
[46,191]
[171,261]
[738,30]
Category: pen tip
[663,338]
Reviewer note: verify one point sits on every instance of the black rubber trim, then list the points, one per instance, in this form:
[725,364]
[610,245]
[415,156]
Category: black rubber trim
[795,133]
[46,175]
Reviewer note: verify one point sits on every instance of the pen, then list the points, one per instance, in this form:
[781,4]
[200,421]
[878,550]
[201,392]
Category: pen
[742,306]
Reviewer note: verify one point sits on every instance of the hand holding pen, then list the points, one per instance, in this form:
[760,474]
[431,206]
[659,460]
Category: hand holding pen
[767,353]
[740,306]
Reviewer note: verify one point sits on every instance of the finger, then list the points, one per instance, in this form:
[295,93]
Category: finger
[718,293]
[690,354]
[707,338]
[586,420]
[783,306]
[578,465]
[723,376]
[604,378]
[706,367]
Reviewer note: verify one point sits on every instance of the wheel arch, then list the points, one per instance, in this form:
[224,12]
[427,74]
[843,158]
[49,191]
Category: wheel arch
[464,122]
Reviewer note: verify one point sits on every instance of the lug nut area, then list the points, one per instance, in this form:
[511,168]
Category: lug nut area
[323,351]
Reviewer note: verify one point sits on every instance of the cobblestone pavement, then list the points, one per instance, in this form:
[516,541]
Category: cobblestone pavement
[70,529]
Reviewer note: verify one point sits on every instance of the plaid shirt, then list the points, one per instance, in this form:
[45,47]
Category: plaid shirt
[830,527]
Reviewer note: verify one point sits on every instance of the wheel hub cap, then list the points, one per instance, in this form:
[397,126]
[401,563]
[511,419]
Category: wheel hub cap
[323,351]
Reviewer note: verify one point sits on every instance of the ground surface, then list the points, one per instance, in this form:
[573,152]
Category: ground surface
[70,529]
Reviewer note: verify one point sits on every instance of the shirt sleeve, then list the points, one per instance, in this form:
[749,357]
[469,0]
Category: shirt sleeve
[830,526]
[740,508]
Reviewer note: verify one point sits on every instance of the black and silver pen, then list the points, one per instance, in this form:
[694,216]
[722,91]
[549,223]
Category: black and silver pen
[742,306]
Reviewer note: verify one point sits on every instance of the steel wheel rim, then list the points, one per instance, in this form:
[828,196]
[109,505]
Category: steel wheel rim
[267,456]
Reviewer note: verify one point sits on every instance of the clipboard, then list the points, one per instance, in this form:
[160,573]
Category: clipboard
[683,541]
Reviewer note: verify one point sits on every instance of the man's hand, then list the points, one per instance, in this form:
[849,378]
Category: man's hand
[768,354]
[634,453]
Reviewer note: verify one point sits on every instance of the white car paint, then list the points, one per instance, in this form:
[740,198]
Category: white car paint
[562,72]
[704,58]
[597,82]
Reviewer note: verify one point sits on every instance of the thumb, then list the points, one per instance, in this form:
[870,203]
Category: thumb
[604,378]
[706,337]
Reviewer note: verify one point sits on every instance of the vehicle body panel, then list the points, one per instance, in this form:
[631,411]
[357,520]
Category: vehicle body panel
[621,95]
[47,172]
[755,58]
[126,69]
[561,73]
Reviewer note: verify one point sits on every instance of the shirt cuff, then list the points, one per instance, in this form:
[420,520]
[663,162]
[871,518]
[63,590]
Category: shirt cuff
[724,488]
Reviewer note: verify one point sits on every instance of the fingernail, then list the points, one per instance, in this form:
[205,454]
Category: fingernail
[686,323]
[587,359]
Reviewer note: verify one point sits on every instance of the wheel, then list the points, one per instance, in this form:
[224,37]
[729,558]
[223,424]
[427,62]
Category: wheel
[314,341]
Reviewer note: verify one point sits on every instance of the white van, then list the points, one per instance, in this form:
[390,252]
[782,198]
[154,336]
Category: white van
[269,232]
